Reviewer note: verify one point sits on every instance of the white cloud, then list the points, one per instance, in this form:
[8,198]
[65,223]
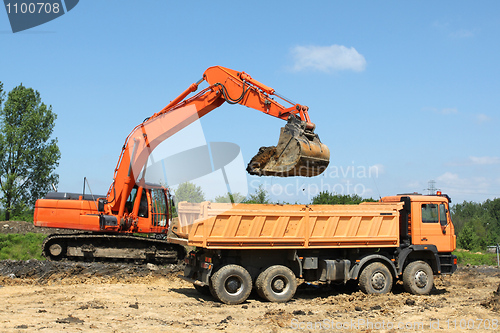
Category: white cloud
[449,111]
[462,186]
[450,29]
[474,160]
[327,58]
[443,111]
[376,169]
[448,177]
[474,188]
[484,160]
[368,193]
[439,24]
[482,118]
[462,33]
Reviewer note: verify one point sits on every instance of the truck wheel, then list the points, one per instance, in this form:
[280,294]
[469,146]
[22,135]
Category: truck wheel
[212,291]
[276,284]
[232,284]
[418,278]
[376,278]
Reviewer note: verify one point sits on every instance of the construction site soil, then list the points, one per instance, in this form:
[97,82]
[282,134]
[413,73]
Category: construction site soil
[46,296]
[21,227]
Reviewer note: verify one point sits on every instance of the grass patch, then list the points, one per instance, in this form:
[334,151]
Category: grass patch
[21,247]
[465,257]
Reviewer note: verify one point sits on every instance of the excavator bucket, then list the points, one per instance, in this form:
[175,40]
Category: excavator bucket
[299,152]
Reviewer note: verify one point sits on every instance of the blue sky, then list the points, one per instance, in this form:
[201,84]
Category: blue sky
[401,92]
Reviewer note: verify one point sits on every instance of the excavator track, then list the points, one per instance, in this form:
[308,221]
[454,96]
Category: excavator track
[111,247]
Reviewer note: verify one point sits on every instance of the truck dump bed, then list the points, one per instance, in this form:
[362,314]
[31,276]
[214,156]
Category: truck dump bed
[255,226]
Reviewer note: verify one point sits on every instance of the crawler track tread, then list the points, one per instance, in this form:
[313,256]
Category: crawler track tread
[150,249]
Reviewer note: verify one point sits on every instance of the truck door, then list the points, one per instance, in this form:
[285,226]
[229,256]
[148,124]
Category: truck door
[434,226]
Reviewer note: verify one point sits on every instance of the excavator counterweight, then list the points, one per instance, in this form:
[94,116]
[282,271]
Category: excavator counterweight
[299,152]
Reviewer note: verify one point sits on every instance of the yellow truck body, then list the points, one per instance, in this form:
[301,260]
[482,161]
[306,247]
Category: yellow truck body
[256,226]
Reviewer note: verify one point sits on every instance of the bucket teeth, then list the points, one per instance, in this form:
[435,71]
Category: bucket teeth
[299,152]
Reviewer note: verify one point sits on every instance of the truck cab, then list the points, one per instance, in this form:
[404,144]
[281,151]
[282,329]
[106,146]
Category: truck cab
[428,220]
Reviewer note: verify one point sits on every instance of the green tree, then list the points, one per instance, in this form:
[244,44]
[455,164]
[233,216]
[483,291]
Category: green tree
[492,221]
[467,238]
[464,212]
[28,155]
[189,192]
[259,197]
[327,198]
[477,225]
[230,198]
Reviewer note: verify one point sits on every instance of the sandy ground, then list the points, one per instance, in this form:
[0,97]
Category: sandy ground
[161,302]
[44,296]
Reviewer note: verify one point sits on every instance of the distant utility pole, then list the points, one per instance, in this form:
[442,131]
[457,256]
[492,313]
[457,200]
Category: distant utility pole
[431,189]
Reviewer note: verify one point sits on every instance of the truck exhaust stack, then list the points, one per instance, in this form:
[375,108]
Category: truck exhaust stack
[299,152]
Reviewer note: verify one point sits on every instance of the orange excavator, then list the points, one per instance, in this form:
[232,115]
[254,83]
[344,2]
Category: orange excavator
[108,224]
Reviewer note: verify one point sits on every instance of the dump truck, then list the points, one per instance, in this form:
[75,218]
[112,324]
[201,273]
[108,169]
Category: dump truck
[238,248]
[107,223]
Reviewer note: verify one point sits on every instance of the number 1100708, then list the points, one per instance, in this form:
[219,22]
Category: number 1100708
[33,8]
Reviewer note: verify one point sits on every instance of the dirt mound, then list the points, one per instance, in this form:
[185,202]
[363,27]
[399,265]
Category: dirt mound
[494,302]
[48,272]
[21,227]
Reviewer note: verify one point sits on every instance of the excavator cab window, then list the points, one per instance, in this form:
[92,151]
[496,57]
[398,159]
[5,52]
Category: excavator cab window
[143,207]
[159,208]
[129,205]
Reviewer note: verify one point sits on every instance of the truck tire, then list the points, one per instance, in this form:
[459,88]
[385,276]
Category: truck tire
[232,284]
[375,278]
[418,278]
[276,284]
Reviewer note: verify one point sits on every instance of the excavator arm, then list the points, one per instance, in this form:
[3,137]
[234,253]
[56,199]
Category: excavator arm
[298,153]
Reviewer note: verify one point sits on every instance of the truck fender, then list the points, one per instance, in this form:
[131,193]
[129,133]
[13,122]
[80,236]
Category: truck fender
[358,265]
[425,252]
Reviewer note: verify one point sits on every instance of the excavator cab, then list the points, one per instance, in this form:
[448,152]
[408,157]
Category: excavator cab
[299,152]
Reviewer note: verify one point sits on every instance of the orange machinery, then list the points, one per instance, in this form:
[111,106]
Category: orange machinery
[132,206]
[407,237]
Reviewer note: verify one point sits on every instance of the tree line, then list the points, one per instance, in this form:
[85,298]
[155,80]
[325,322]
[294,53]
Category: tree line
[477,225]
[192,193]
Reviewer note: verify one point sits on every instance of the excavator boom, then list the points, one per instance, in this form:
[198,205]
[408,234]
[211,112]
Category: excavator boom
[299,151]
[134,206]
